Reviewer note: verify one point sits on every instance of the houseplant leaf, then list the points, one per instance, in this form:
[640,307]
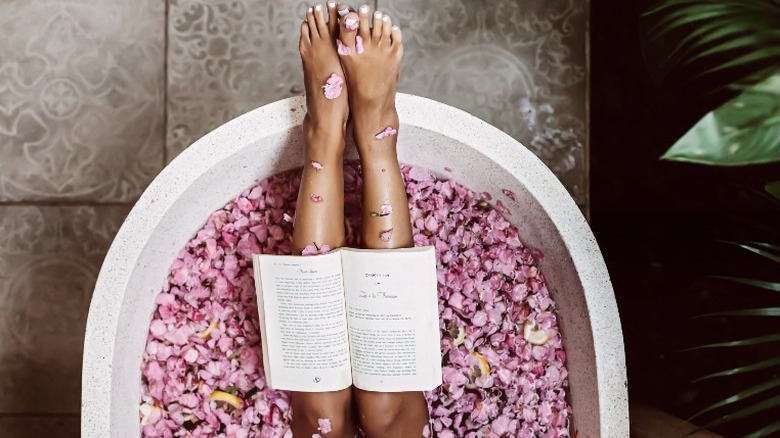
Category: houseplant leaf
[773,188]
[757,389]
[765,431]
[768,285]
[744,130]
[775,361]
[764,339]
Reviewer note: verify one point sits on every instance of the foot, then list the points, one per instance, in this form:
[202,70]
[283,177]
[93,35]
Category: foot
[370,49]
[326,92]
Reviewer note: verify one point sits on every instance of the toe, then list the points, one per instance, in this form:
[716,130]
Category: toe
[387,28]
[305,37]
[376,26]
[319,18]
[333,18]
[312,23]
[343,9]
[396,38]
[365,26]
[347,34]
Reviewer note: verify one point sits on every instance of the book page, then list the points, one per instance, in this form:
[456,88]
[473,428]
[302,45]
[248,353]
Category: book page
[303,322]
[393,318]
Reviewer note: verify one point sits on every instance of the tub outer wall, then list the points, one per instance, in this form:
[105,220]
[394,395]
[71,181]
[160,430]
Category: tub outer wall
[268,140]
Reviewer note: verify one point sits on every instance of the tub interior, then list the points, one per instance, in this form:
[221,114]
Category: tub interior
[225,162]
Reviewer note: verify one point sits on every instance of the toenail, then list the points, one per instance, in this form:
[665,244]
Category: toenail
[385,18]
[396,28]
[378,14]
[309,9]
[364,8]
[318,7]
[351,23]
[343,12]
[332,4]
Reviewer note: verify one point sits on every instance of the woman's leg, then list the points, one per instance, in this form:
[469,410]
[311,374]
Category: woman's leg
[372,69]
[319,216]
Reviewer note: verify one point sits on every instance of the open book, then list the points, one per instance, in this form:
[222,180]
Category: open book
[368,318]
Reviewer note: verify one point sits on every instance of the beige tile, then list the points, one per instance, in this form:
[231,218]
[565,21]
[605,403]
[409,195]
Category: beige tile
[56,426]
[519,65]
[648,422]
[49,259]
[226,57]
[81,98]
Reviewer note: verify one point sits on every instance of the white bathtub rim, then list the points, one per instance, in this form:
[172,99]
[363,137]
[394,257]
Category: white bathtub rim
[174,180]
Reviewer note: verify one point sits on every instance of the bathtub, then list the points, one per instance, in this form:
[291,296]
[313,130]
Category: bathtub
[269,140]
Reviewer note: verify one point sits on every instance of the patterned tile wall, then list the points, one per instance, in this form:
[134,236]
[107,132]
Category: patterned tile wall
[81,99]
[227,57]
[519,65]
[49,259]
[82,133]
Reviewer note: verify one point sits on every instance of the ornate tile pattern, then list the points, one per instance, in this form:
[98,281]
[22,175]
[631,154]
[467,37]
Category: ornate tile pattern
[65,426]
[81,99]
[519,65]
[226,57]
[49,259]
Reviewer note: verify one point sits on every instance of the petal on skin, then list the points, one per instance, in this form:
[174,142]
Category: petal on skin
[342,49]
[316,165]
[386,235]
[385,209]
[387,132]
[315,198]
[358,44]
[332,90]
[324,425]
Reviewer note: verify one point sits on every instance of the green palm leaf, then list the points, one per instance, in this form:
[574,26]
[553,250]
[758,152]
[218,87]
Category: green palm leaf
[768,285]
[741,370]
[773,188]
[678,32]
[758,389]
[752,247]
[761,311]
[765,431]
[764,339]
[748,411]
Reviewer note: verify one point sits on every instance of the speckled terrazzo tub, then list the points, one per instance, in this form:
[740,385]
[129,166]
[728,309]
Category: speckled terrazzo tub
[266,141]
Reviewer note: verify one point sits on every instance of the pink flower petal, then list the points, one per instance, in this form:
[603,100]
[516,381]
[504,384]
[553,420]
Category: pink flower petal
[387,132]
[324,425]
[316,165]
[342,49]
[358,44]
[510,194]
[385,209]
[315,198]
[385,236]
[332,89]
